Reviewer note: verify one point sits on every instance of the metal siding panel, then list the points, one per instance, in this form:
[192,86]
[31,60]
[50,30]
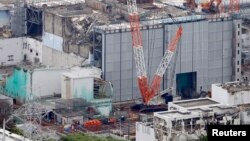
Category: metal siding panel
[113,62]
[206,54]
[53,41]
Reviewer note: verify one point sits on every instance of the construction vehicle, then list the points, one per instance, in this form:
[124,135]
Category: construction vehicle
[95,123]
[190,4]
[211,6]
[148,92]
[92,123]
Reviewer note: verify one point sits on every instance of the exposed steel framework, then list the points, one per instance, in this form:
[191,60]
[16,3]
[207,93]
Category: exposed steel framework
[148,92]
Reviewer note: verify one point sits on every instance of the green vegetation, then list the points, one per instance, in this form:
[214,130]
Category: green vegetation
[17,131]
[51,140]
[203,138]
[84,137]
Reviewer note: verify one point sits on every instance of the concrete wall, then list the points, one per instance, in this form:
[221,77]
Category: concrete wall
[237,98]
[52,57]
[46,82]
[32,49]
[53,24]
[69,120]
[18,47]
[18,84]
[77,88]
[53,41]
[237,48]
[144,133]
[219,94]
[11,51]
[24,84]
[204,48]
[59,34]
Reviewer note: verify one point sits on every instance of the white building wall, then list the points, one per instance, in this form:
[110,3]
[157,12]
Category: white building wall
[52,57]
[53,41]
[144,133]
[239,98]
[219,94]
[69,120]
[18,47]
[46,82]
[224,96]
[77,88]
[10,47]
[32,49]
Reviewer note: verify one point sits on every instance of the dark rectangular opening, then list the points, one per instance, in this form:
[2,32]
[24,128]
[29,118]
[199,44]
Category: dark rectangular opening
[186,84]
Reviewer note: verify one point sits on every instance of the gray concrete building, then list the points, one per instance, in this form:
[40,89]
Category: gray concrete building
[206,54]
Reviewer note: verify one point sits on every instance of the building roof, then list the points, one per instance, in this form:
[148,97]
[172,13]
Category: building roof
[126,25]
[3,97]
[195,112]
[69,113]
[195,103]
[85,72]
[236,86]
[66,107]
[52,3]
[4,7]
[91,7]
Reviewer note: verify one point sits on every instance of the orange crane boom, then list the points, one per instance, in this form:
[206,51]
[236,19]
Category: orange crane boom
[147,92]
[170,50]
[137,47]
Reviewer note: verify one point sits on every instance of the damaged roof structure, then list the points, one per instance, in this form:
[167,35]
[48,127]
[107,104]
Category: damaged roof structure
[71,26]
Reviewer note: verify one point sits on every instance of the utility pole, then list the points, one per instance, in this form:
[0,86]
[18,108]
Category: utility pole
[3,129]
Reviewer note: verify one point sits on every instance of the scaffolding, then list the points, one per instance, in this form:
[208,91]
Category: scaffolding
[31,115]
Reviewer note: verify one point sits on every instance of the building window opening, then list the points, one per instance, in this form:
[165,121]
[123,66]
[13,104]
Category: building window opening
[31,50]
[11,58]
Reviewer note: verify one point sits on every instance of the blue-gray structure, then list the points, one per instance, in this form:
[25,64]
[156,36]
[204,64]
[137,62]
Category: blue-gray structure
[205,50]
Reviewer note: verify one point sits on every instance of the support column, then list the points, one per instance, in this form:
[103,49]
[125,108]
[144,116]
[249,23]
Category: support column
[237,47]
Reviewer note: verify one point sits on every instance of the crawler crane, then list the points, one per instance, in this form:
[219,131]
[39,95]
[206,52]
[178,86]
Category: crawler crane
[148,91]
